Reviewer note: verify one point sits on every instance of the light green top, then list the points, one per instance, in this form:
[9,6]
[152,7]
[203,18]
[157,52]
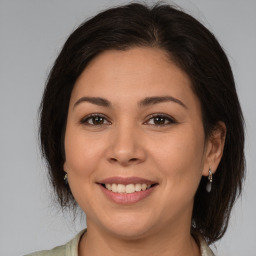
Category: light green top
[71,248]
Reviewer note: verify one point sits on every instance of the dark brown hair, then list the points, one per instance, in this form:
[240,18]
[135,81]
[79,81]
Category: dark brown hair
[195,50]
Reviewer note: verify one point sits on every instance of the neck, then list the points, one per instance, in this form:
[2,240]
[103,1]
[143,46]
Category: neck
[165,243]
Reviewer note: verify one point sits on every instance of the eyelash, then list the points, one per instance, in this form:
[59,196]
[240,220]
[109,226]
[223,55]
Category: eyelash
[170,120]
[165,117]
[86,119]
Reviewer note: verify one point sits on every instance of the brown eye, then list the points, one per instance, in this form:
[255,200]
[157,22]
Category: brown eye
[95,120]
[160,120]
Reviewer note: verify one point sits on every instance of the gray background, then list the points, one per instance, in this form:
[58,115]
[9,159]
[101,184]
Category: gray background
[31,34]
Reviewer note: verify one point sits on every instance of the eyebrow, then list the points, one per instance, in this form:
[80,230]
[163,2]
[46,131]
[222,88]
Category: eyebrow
[159,99]
[143,103]
[94,100]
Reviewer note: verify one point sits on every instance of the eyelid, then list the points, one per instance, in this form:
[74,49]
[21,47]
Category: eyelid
[87,117]
[169,118]
[166,116]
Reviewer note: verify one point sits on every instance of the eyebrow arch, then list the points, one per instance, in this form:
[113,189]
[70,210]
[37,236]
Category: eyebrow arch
[159,99]
[94,100]
[144,103]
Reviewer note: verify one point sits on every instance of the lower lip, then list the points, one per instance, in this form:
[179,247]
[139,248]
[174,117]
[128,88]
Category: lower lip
[122,198]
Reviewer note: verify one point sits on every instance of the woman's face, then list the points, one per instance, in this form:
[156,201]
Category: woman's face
[135,124]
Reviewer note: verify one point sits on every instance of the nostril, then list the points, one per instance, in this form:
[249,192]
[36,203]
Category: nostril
[125,160]
[130,160]
[113,160]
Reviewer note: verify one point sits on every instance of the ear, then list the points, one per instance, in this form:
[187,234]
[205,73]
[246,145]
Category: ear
[214,148]
[65,167]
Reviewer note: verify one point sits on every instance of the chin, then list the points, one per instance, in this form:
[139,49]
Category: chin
[130,232]
[128,226]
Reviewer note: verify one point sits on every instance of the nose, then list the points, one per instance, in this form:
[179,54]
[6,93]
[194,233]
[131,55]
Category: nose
[126,147]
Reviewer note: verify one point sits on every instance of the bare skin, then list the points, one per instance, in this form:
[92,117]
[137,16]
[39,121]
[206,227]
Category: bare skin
[133,114]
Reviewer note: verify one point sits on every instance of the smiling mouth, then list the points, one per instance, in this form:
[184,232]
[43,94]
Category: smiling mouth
[129,188]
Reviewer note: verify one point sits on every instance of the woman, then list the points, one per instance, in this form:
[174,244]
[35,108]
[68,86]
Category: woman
[142,128]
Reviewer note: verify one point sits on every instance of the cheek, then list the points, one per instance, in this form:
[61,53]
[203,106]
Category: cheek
[82,152]
[180,157]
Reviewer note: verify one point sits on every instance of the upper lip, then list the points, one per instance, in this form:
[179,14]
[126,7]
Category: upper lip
[126,181]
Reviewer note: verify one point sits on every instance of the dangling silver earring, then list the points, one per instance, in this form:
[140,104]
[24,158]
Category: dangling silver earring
[209,184]
[66,179]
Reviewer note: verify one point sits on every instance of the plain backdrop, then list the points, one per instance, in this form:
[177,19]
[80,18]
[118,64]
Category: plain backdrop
[31,35]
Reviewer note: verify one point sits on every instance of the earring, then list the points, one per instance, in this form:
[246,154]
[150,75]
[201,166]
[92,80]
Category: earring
[209,184]
[66,179]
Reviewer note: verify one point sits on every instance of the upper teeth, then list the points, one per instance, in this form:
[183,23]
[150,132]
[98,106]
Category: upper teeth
[130,188]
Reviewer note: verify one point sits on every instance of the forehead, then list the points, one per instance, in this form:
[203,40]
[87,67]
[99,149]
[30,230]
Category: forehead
[137,72]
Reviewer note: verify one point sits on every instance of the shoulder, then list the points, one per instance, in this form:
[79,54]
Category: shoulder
[204,248]
[69,249]
[57,251]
